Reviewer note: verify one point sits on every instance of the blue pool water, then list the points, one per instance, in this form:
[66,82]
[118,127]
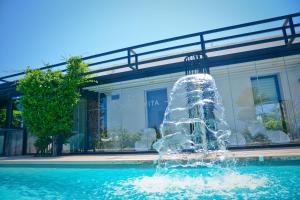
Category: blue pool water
[277,180]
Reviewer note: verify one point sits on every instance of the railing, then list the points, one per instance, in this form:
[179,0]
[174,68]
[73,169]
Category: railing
[285,32]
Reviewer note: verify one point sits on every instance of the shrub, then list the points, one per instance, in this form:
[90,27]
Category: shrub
[48,101]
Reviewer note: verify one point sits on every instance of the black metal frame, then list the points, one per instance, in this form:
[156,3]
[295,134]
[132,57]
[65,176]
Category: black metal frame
[4,141]
[132,52]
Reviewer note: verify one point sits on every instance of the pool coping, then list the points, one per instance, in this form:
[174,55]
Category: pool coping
[272,154]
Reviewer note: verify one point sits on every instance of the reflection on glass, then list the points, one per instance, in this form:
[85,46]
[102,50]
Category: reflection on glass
[17,121]
[2,117]
[267,100]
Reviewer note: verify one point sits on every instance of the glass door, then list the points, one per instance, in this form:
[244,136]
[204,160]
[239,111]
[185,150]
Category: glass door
[157,102]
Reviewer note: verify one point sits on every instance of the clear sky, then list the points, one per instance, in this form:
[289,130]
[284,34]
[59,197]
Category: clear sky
[34,32]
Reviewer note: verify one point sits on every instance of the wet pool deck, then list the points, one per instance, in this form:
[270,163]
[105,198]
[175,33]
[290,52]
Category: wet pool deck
[292,153]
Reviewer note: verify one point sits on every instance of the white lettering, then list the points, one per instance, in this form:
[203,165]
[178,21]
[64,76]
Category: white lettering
[153,103]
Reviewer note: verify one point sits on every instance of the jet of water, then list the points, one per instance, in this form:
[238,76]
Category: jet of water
[194,118]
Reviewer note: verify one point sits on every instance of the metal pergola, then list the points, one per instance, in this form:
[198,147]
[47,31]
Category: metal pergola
[284,34]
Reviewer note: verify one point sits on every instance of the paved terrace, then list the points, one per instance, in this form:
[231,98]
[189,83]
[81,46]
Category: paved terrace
[292,153]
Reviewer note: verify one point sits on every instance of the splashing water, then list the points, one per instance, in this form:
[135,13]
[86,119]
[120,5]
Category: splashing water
[177,183]
[193,121]
[190,186]
[194,136]
[195,183]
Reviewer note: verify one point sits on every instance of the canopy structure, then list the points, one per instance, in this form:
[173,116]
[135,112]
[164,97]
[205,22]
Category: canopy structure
[268,38]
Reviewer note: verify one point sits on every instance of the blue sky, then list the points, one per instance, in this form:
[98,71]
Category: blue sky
[35,32]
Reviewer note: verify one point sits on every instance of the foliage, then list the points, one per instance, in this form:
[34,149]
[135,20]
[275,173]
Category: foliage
[49,98]
[120,139]
[98,143]
[128,139]
[42,144]
[272,123]
[17,118]
[2,117]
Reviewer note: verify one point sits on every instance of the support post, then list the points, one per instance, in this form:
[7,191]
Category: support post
[129,51]
[129,58]
[203,49]
[136,61]
[24,148]
[292,27]
[286,41]
[293,32]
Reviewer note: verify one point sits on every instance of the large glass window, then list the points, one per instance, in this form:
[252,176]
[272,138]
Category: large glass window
[11,134]
[11,108]
[2,117]
[269,108]
[76,143]
[17,121]
[261,101]
[3,112]
[92,121]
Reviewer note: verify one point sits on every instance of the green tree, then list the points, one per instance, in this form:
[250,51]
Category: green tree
[48,100]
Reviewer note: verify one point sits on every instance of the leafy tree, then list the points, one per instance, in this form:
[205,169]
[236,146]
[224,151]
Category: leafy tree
[48,101]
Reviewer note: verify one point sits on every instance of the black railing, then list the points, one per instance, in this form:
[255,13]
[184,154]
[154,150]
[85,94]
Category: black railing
[285,32]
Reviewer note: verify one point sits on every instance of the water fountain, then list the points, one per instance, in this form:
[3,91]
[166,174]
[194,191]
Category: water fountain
[192,160]
[194,120]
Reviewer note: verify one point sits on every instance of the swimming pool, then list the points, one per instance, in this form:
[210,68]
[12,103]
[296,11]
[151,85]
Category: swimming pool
[258,180]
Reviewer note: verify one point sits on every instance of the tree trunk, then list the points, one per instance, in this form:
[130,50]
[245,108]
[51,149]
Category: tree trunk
[54,146]
[60,142]
[57,145]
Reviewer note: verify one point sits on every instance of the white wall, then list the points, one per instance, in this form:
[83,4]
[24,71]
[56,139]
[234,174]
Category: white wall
[233,82]
[130,111]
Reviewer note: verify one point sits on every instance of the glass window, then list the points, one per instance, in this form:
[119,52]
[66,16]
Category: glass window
[17,121]
[157,101]
[2,117]
[268,102]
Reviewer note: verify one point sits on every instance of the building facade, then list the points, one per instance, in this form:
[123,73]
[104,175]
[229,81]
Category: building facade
[258,79]
[261,101]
